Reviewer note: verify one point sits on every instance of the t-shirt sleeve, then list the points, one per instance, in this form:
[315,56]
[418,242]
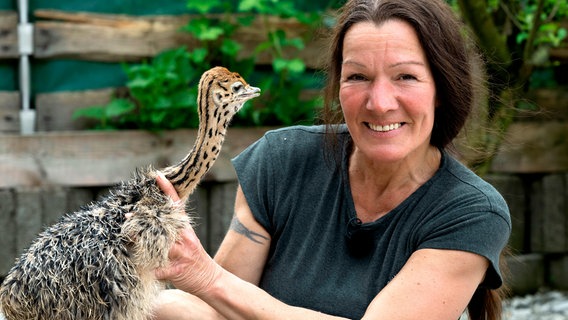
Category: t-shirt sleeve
[254,168]
[482,232]
[275,171]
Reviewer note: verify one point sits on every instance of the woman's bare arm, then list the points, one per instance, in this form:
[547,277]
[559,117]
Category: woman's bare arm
[245,247]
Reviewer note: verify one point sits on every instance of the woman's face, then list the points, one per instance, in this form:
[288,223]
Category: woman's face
[387,91]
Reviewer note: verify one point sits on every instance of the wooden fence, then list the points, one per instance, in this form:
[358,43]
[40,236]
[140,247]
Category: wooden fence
[58,169]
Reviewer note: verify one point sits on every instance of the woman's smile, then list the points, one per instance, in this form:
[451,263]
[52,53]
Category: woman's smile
[384,128]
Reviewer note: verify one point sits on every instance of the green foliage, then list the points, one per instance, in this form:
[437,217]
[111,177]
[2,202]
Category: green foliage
[282,88]
[531,27]
[159,95]
[163,91]
[516,37]
[548,32]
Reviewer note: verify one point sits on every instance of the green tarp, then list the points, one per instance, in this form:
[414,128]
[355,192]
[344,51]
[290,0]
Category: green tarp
[8,69]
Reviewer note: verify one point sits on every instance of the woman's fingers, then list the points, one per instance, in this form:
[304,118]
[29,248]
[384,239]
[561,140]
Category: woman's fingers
[166,186]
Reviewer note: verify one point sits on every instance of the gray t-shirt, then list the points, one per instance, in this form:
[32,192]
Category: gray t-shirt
[304,201]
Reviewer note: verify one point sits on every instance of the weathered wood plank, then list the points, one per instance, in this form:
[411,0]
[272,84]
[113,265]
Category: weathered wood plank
[560,54]
[534,147]
[55,110]
[53,204]
[9,111]
[526,274]
[9,35]
[28,217]
[101,19]
[104,43]
[220,212]
[552,105]
[107,37]
[7,230]
[87,158]
[559,271]
[555,210]
[78,197]
[549,214]
[197,206]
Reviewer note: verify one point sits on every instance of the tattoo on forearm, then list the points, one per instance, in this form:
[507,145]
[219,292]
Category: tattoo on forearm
[238,227]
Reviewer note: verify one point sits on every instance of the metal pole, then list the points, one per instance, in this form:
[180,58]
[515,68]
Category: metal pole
[25,42]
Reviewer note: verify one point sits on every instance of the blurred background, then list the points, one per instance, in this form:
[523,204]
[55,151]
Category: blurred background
[90,90]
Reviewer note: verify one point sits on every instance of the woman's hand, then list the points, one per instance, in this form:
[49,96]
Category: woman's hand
[190,269]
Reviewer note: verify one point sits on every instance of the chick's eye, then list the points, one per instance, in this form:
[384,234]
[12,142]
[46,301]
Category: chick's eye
[237,87]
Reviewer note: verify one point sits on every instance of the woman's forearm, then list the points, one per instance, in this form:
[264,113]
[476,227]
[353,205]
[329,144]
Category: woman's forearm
[173,304]
[235,298]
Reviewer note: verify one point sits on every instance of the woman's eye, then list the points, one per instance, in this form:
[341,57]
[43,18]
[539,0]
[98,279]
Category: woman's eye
[356,77]
[407,77]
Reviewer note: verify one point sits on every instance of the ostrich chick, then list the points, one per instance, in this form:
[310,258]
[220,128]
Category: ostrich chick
[96,263]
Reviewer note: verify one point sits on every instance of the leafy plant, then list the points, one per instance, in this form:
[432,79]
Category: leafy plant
[163,91]
[159,95]
[515,36]
[280,103]
[542,15]
[283,89]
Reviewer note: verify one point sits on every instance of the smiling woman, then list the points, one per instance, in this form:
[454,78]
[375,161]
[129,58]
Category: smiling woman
[449,53]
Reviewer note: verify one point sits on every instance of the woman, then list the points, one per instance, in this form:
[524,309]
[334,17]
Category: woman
[368,219]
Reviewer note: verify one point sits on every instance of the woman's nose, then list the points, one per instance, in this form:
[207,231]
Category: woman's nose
[382,97]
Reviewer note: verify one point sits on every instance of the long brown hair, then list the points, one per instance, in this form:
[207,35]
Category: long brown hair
[452,56]
[449,51]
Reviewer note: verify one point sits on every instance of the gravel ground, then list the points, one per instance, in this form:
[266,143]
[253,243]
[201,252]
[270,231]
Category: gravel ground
[551,305]
[546,305]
